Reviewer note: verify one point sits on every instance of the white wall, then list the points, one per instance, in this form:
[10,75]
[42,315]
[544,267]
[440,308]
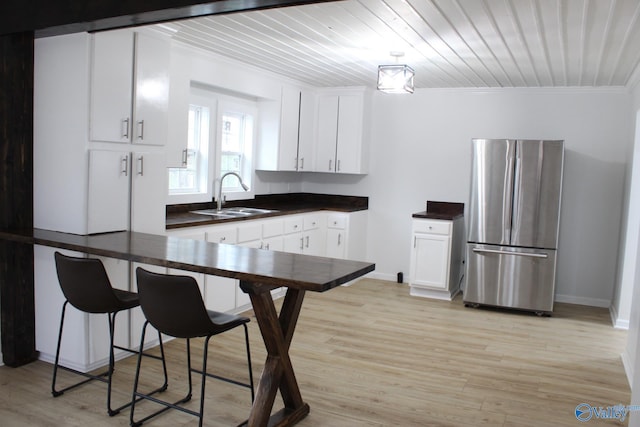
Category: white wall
[631,355]
[421,151]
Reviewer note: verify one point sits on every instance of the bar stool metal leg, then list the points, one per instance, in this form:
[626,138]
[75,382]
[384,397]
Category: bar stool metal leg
[106,376]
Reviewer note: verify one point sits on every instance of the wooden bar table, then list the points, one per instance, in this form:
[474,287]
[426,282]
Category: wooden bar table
[258,270]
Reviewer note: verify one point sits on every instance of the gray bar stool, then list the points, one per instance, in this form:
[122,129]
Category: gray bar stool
[173,305]
[86,286]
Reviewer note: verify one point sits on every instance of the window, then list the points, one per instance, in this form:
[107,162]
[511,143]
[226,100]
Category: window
[220,139]
[236,141]
[192,178]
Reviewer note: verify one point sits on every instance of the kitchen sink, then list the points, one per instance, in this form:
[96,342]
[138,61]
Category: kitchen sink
[229,213]
[250,211]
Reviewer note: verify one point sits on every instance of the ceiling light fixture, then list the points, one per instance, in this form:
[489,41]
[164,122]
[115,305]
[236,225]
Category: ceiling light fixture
[396,78]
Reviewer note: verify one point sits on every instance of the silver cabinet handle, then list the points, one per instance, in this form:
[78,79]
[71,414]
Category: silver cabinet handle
[525,254]
[339,239]
[222,239]
[141,127]
[125,123]
[307,241]
[338,164]
[141,166]
[301,243]
[330,160]
[185,155]
[302,163]
[125,165]
[267,246]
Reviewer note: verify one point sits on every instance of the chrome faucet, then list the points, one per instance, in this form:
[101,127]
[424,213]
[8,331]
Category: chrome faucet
[244,186]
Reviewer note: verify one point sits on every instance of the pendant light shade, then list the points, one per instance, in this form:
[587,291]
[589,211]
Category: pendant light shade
[396,78]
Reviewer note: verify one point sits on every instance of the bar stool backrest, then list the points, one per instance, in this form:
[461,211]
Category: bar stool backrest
[85,284]
[173,304]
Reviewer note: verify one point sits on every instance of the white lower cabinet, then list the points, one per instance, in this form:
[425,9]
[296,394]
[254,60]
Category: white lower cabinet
[220,292]
[347,235]
[436,258]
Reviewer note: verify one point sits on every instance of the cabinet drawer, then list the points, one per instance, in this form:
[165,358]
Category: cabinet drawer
[312,222]
[272,228]
[222,235]
[432,226]
[337,221]
[248,232]
[293,225]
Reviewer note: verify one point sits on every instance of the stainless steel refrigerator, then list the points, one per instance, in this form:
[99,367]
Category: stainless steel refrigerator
[514,215]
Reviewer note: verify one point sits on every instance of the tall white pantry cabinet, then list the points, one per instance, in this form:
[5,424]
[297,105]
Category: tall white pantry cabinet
[97,159]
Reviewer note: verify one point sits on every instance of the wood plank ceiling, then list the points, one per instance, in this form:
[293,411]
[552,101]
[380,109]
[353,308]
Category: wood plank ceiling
[449,43]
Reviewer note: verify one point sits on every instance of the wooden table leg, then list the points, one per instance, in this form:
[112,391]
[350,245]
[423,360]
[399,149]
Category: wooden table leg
[277,333]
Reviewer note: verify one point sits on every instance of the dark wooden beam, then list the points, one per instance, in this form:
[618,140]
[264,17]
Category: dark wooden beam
[69,16]
[16,197]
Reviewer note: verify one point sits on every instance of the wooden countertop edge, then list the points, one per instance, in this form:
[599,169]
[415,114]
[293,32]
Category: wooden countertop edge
[99,245]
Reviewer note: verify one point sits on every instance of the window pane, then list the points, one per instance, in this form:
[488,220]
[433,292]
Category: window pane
[233,133]
[186,180]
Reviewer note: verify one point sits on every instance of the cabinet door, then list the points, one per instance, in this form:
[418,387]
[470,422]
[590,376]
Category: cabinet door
[313,242]
[293,243]
[327,133]
[336,243]
[108,198]
[220,292]
[430,260]
[148,186]
[178,120]
[151,90]
[273,243]
[289,120]
[111,86]
[349,135]
[307,131]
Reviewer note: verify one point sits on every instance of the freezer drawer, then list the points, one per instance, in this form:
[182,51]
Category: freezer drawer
[510,277]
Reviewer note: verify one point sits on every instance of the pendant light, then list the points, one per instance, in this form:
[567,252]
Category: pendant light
[395,78]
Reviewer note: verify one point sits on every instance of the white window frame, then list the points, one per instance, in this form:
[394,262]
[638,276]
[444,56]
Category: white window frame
[237,105]
[211,152]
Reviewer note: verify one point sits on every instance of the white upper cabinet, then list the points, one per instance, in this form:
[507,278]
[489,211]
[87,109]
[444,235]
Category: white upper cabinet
[327,133]
[307,131]
[291,148]
[342,145]
[111,86]
[129,88]
[289,121]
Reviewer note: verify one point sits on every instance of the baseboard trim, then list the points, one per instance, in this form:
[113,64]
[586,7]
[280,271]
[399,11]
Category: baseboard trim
[382,276]
[594,302]
[628,366]
[616,321]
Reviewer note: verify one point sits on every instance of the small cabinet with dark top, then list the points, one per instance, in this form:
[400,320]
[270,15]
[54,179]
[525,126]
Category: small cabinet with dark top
[437,250]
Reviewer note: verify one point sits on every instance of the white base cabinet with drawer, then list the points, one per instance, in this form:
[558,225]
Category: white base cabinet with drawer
[436,258]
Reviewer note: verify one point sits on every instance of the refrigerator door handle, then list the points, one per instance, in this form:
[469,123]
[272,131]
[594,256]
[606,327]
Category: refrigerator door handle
[493,251]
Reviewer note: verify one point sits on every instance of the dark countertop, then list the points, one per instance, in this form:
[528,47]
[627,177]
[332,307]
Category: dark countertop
[441,210]
[268,268]
[180,216]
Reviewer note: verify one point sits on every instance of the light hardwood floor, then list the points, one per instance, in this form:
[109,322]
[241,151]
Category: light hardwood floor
[371,355]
